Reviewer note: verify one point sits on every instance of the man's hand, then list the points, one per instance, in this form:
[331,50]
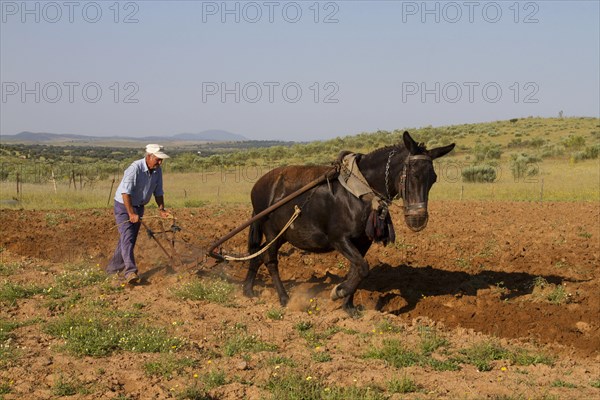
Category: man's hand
[164,213]
[134,218]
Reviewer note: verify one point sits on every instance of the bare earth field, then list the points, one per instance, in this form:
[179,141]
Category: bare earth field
[493,300]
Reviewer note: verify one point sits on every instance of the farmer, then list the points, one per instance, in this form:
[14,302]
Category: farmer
[141,180]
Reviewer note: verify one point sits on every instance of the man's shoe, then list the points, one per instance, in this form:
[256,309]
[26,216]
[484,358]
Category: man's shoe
[132,278]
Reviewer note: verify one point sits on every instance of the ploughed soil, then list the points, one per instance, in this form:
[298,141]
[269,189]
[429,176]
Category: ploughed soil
[518,276]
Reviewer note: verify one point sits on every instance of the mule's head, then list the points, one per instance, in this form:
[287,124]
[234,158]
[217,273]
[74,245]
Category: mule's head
[416,179]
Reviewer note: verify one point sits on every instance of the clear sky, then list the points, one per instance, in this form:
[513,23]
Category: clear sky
[303,70]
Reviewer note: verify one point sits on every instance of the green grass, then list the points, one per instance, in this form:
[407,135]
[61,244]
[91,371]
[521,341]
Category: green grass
[6,327]
[5,388]
[275,314]
[430,340]
[8,269]
[321,357]
[8,353]
[385,326]
[524,357]
[79,276]
[68,386]
[214,379]
[554,294]
[296,386]
[303,326]
[563,384]
[193,392]
[394,353]
[11,292]
[280,360]
[100,336]
[54,219]
[482,354]
[242,342]
[215,291]
[402,385]
[168,364]
[558,295]
[315,338]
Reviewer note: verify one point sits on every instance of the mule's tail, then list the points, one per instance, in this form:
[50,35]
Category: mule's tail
[255,237]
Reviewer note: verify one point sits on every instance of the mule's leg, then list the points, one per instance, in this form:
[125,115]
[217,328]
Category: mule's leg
[359,270]
[248,285]
[273,267]
[349,307]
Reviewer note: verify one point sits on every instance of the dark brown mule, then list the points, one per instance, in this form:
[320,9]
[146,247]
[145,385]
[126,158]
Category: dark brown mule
[334,219]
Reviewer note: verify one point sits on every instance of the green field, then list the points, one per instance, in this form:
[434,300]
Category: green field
[561,158]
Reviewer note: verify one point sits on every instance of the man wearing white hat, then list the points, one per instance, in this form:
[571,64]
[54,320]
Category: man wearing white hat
[141,180]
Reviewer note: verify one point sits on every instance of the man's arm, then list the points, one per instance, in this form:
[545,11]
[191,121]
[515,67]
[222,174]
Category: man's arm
[160,201]
[133,217]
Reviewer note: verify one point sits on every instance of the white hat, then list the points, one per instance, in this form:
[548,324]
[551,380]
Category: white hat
[157,150]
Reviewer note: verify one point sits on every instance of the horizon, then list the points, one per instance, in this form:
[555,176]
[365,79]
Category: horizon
[409,129]
[292,71]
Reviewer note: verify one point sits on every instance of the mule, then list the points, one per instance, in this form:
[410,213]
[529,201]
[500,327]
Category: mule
[332,218]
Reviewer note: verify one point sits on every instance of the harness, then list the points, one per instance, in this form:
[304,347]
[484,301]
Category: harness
[379,226]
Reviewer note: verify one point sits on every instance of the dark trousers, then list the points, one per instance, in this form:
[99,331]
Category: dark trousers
[123,259]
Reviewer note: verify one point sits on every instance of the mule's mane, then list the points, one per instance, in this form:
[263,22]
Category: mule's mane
[396,147]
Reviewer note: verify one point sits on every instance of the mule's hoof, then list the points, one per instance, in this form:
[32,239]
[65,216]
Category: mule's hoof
[248,292]
[335,294]
[353,311]
[284,300]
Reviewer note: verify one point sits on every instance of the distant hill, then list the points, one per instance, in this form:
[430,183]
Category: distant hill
[214,135]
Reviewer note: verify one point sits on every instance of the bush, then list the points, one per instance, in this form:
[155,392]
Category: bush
[523,165]
[574,141]
[487,152]
[589,153]
[479,173]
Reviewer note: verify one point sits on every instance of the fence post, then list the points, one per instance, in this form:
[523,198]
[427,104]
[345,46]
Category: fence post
[542,191]
[110,193]
[53,181]
[462,192]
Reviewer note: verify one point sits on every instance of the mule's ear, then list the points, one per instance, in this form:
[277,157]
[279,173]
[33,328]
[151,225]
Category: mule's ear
[441,151]
[410,144]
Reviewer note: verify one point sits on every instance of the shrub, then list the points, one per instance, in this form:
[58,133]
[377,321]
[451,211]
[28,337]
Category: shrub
[523,165]
[574,142]
[487,152]
[479,173]
[589,153]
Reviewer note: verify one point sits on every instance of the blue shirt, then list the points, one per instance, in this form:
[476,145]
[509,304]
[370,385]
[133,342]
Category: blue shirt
[140,183]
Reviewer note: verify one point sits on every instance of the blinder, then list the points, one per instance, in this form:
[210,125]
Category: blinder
[415,208]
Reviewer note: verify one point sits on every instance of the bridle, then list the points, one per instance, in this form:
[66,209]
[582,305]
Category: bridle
[415,208]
